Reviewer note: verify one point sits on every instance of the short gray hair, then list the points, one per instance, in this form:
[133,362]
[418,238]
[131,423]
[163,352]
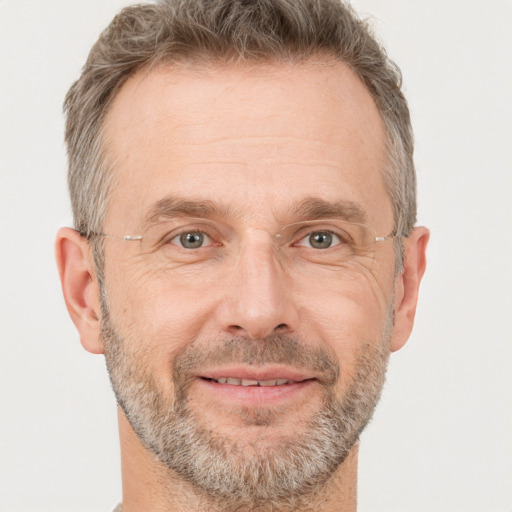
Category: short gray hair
[176,31]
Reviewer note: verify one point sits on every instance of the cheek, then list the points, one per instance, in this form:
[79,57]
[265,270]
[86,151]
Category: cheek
[156,312]
[348,320]
[348,308]
[156,323]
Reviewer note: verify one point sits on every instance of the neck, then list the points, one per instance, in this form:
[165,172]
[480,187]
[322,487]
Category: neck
[148,485]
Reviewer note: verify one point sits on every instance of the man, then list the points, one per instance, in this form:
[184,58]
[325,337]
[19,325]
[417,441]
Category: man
[245,253]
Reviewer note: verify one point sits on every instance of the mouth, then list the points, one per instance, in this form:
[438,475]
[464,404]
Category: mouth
[253,387]
[233,381]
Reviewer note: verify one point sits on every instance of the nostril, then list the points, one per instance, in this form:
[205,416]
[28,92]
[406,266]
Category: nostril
[280,327]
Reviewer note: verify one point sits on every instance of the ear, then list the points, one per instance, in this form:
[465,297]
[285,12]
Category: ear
[80,287]
[408,284]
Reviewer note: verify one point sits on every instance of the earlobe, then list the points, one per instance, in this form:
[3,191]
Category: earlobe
[407,286]
[79,286]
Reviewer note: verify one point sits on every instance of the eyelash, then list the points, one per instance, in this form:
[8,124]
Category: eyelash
[298,238]
[176,235]
[322,231]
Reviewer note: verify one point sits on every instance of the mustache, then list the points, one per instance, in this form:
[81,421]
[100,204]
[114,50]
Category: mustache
[282,349]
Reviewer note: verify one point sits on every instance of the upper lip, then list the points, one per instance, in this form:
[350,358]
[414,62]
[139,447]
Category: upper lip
[260,374]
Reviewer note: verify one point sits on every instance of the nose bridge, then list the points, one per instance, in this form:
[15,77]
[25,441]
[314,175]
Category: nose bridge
[258,300]
[258,267]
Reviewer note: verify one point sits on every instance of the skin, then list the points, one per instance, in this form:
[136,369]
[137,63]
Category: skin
[255,140]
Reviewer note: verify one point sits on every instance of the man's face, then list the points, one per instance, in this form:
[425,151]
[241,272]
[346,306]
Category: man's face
[227,348]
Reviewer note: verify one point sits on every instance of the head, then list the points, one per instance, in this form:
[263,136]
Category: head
[247,145]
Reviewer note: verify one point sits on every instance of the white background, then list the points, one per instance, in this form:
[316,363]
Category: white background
[441,439]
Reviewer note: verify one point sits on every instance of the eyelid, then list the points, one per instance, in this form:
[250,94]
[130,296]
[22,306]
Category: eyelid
[308,229]
[210,233]
[161,236]
[291,234]
[337,240]
[178,234]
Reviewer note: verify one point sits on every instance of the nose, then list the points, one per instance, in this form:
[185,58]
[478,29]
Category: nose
[258,299]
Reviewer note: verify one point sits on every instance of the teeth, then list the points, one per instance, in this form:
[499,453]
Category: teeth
[250,382]
[272,382]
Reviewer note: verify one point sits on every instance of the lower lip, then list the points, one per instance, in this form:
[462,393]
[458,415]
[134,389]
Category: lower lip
[257,395]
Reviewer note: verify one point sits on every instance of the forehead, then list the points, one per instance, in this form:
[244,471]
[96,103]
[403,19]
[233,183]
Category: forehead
[251,136]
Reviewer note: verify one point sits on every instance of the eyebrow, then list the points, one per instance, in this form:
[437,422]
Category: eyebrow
[172,207]
[310,208]
[313,208]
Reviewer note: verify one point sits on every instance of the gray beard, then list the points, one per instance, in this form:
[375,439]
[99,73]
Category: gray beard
[278,475]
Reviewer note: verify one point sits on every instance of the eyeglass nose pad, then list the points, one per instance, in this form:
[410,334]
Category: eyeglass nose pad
[280,238]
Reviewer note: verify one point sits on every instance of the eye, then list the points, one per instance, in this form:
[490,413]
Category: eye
[191,240]
[320,240]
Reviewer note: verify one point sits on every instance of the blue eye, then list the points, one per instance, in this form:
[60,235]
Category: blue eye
[191,239]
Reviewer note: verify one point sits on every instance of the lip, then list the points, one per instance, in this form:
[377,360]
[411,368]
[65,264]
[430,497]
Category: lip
[256,396]
[250,373]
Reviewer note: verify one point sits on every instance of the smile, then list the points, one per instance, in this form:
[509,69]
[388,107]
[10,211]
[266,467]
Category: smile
[250,382]
[250,386]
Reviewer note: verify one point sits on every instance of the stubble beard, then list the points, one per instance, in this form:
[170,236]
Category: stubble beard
[279,474]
